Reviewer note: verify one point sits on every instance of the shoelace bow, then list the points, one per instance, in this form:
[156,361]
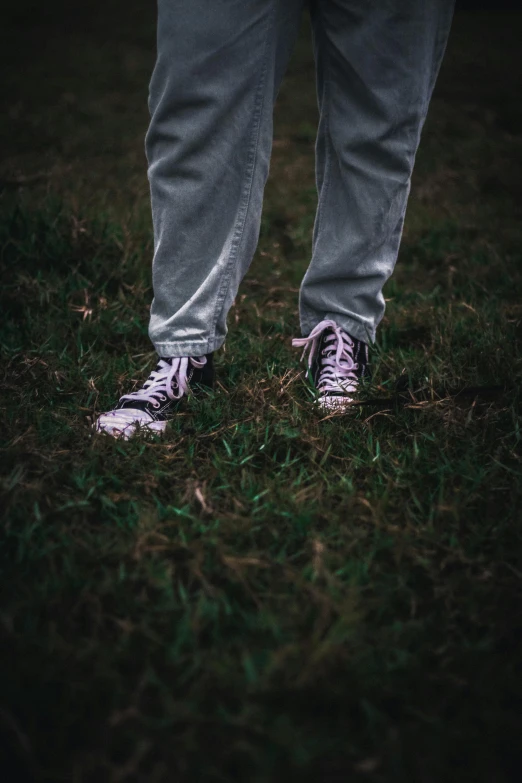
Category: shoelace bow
[338,366]
[161,381]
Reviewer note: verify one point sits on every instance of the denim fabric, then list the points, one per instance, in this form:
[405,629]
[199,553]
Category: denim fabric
[218,70]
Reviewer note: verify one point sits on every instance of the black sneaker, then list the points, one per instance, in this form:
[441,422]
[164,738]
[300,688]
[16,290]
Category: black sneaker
[150,408]
[336,361]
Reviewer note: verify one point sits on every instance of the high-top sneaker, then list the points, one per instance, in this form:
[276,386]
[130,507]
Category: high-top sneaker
[150,408]
[336,362]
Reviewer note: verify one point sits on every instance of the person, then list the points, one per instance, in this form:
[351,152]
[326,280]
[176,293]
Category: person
[217,74]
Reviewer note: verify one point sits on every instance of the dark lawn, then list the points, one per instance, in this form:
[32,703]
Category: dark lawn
[263,595]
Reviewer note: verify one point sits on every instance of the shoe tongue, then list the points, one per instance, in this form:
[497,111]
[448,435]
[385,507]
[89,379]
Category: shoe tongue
[328,347]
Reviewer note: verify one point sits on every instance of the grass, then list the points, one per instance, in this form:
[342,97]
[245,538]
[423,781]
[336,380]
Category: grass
[263,595]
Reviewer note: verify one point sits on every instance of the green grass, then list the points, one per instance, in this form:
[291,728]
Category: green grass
[264,594]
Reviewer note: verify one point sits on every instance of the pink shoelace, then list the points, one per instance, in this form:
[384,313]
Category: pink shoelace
[338,366]
[160,381]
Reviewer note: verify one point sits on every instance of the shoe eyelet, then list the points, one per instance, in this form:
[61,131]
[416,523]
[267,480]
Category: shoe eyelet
[155,405]
[162,397]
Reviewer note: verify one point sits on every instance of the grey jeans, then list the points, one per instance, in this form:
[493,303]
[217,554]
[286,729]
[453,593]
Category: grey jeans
[218,70]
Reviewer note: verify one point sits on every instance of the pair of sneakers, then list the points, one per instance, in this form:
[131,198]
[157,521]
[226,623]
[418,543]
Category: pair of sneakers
[335,364]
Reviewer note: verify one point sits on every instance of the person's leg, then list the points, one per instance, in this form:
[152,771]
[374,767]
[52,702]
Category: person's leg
[377,62]
[218,70]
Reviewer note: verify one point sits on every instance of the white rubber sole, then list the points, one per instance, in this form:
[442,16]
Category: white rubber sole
[333,403]
[117,425]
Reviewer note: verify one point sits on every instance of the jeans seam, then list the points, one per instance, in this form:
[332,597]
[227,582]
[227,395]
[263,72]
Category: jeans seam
[187,345]
[251,165]
[180,342]
[307,313]
[327,146]
[310,323]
